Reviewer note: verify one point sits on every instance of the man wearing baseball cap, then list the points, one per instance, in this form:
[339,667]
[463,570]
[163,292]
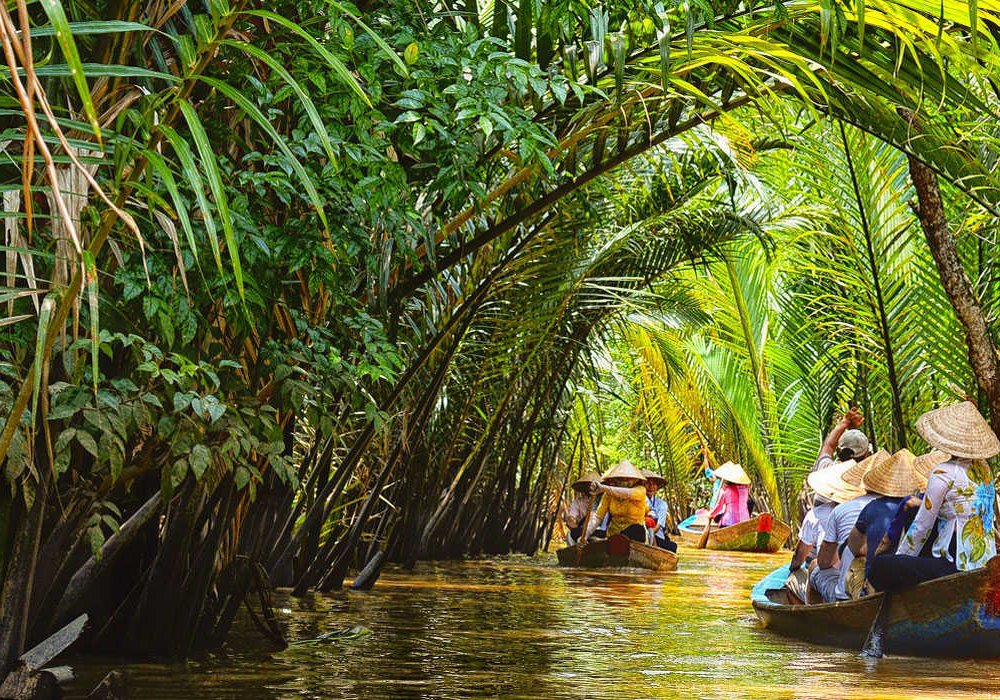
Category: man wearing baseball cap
[844,442]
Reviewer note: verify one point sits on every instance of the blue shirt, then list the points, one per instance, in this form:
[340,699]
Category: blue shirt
[874,522]
[658,509]
[901,522]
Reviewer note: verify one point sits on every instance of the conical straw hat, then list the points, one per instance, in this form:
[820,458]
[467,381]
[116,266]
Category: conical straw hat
[854,475]
[960,430]
[586,479]
[653,476]
[829,483]
[893,477]
[624,470]
[733,473]
[923,464]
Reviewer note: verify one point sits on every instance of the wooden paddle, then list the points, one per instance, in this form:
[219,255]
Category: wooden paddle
[582,542]
[874,647]
[703,542]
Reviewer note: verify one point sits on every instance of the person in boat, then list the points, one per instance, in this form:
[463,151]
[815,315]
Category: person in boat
[893,480]
[830,489]
[907,509]
[623,497]
[732,506]
[579,509]
[844,442]
[958,500]
[656,518]
[834,559]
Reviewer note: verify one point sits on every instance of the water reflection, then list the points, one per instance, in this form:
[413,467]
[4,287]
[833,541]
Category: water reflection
[522,627]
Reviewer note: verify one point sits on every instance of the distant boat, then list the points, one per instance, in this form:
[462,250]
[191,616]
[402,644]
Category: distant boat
[761,533]
[955,616]
[618,551]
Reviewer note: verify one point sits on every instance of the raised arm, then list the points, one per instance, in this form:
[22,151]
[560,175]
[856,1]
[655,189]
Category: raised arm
[851,419]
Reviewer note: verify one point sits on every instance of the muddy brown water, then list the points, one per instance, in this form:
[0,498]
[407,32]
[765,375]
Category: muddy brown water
[521,627]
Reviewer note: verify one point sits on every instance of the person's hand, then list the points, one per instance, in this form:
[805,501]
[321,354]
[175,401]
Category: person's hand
[912,502]
[853,418]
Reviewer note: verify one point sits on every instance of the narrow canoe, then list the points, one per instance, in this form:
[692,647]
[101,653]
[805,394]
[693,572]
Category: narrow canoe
[761,533]
[618,551]
[955,616]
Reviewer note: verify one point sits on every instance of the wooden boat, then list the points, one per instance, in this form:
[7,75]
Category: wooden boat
[957,615]
[761,533]
[618,551]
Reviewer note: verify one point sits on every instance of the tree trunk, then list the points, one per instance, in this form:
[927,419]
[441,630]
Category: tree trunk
[982,350]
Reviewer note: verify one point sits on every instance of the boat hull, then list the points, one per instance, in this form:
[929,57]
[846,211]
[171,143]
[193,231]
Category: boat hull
[953,616]
[620,553]
[748,536]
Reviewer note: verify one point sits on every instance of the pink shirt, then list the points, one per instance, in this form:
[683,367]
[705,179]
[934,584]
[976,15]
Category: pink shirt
[732,504]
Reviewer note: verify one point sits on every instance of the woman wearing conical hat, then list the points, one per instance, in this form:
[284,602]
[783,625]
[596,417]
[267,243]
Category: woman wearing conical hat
[907,509]
[624,499]
[578,510]
[732,505]
[958,502]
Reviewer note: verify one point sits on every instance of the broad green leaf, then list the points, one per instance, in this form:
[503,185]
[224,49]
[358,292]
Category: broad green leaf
[199,460]
[88,443]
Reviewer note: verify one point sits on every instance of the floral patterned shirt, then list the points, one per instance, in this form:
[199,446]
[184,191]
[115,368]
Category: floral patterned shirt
[959,498]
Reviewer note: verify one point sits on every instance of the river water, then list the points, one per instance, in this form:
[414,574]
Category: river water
[521,627]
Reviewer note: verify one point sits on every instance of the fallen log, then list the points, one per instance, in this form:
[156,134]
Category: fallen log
[42,653]
[23,684]
[29,681]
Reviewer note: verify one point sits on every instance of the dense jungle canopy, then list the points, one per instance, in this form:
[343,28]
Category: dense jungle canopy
[296,288]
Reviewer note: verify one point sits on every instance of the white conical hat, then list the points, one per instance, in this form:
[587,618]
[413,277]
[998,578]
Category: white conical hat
[733,473]
[829,482]
[624,470]
[960,430]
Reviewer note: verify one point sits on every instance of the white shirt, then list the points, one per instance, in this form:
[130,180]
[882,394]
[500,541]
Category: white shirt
[814,525]
[838,529]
